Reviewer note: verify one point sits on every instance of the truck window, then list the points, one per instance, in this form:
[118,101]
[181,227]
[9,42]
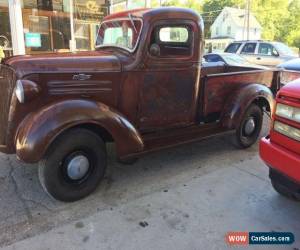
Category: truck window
[267,49]
[174,34]
[233,47]
[249,48]
[123,33]
[172,41]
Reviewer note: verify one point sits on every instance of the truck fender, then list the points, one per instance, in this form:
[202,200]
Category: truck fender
[39,129]
[239,101]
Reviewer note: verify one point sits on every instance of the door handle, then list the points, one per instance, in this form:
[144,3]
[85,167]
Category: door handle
[258,58]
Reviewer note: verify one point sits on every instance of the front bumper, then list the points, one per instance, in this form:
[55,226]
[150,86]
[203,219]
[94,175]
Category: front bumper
[280,159]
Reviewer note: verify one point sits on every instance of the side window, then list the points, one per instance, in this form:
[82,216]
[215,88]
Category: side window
[233,47]
[267,49]
[173,35]
[171,41]
[249,48]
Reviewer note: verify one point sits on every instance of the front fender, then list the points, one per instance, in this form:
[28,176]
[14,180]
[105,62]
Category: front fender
[39,129]
[240,100]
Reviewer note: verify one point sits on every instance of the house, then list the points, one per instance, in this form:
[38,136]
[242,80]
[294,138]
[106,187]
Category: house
[230,25]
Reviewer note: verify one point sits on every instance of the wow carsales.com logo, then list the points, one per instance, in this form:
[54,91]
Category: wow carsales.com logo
[259,238]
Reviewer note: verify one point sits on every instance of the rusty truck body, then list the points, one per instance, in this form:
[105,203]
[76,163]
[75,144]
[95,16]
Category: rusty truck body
[143,88]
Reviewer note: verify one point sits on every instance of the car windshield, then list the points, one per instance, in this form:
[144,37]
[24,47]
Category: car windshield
[122,33]
[233,59]
[284,49]
[233,47]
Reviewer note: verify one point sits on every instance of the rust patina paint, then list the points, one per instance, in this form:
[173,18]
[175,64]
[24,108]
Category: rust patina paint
[145,103]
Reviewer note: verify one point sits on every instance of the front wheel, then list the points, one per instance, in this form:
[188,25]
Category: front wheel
[249,128]
[73,166]
[282,187]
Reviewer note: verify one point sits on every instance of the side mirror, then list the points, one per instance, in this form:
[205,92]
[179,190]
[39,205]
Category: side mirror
[154,50]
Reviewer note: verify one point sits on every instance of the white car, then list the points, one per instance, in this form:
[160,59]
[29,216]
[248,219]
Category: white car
[262,52]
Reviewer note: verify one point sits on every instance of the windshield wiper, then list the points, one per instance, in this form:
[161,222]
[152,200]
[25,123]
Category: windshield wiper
[132,22]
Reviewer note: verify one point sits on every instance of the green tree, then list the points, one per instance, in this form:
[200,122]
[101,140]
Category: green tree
[291,30]
[191,4]
[271,15]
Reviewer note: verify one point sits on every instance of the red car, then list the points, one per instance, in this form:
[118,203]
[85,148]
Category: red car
[280,150]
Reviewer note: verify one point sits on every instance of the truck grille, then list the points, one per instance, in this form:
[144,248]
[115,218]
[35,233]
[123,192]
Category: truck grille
[7,85]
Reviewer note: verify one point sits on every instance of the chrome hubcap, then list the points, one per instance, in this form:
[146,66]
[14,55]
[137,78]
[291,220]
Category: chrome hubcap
[78,167]
[249,126]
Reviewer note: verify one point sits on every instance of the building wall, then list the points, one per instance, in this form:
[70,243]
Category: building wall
[220,28]
[242,35]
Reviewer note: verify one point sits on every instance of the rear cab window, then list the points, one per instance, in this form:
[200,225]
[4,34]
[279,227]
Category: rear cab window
[249,48]
[233,47]
[173,40]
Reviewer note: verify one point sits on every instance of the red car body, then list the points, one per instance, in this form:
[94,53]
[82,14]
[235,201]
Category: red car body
[281,152]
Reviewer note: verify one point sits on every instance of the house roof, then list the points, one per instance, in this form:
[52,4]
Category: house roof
[239,17]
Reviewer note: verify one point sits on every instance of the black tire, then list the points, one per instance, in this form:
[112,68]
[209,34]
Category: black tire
[53,169]
[284,191]
[243,140]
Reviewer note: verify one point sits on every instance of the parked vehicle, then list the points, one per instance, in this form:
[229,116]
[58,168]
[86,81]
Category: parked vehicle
[230,59]
[292,65]
[291,70]
[142,88]
[262,52]
[280,150]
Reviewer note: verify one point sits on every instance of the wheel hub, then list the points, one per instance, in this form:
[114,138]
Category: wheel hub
[249,126]
[77,167]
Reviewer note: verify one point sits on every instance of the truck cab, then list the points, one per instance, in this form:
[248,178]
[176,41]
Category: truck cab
[280,150]
[143,88]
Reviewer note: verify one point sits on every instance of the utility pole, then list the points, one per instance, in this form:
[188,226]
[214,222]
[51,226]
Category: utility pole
[248,19]
[244,24]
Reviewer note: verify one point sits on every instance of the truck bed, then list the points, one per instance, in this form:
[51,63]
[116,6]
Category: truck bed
[217,84]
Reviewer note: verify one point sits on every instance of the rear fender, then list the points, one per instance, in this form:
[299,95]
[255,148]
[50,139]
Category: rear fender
[40,129]
[241,99]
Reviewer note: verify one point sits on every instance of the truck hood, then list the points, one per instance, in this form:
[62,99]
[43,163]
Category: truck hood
[91,61]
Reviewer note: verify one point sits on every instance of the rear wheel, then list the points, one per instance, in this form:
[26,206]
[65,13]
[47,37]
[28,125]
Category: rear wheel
[73,166]
[249,128]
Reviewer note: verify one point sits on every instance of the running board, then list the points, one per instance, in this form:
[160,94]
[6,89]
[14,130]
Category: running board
[175,137]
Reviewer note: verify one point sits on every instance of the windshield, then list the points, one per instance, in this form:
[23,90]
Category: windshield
[123,33]
[284,49]
[233,59]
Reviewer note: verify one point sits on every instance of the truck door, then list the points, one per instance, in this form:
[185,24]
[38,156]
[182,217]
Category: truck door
[168,93]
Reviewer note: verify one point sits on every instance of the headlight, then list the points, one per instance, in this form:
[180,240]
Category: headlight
[287,130]
[20,91]
[26,90]
[288,112]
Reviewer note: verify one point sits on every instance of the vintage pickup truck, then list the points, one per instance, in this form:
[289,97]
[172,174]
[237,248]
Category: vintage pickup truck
[142,88]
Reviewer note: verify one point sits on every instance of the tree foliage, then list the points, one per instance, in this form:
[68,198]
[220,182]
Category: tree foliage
[280,19]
